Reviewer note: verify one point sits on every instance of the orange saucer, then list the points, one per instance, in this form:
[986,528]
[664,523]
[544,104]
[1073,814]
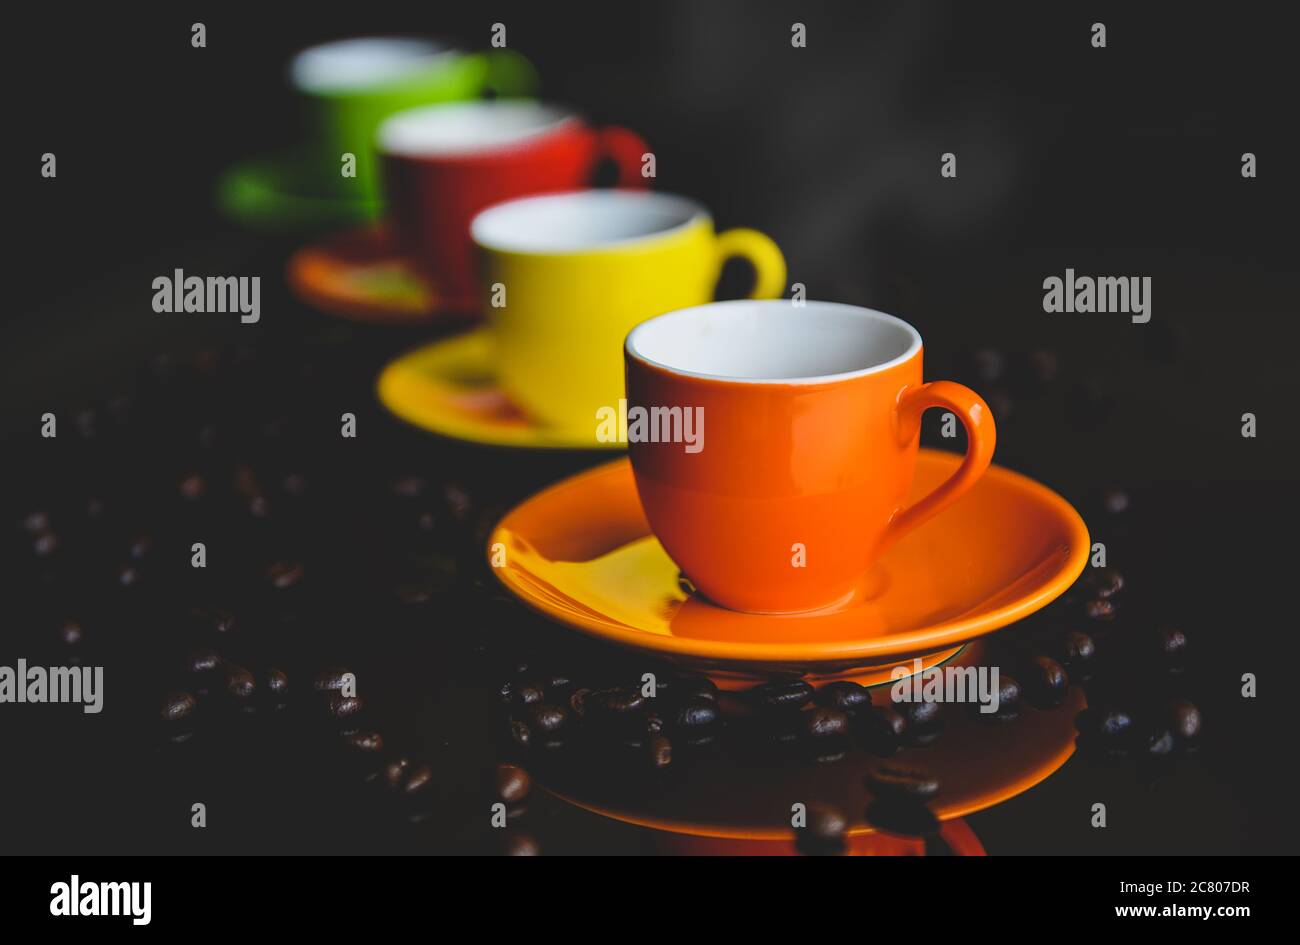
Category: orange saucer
[361,275]
[582,553]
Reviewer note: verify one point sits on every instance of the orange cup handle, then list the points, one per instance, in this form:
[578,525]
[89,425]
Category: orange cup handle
[627,150]
[981,439]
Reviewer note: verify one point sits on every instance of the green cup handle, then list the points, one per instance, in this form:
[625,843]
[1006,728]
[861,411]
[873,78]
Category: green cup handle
[510,75]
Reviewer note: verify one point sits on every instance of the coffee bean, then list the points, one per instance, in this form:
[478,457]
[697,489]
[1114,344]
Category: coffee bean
[1104,583]
[688,686]
[882,729]
[217,621]
[529,693]
[342,707]
[697,713]
[366,742]
[1184,719]
[69,632]
[519,844]
[128,576]
[659,751]
[1115,501]
[1159,742]
[283,575]
[920,715]
[240,683]
[202,661]
[826,722]
[547,719]
[781,695]
[395,771]
[510,783]
[845,695]
[825,830]
[1108,723]
[36,522]
[618,701]
[332,679]
[1046,682]
[1076,649]
[177,706]
[1101,610]
[578,703]
[654,723]
[520,734]
[45,544]
[1008,692]
[192,487]
[900,781]
[276,682]
[1170,642]
[417,779]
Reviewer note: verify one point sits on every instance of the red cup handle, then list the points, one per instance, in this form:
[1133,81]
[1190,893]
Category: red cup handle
[627,150]
[981,438]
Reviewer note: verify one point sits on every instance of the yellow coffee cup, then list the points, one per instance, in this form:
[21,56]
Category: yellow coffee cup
[568,275]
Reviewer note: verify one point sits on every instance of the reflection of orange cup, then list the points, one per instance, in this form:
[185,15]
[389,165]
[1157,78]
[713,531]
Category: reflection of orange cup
[782,474]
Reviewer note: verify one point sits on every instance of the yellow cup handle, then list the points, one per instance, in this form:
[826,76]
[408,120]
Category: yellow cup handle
[763,254]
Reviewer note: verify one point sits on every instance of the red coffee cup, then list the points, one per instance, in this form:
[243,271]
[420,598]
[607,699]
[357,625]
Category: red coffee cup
[442,164]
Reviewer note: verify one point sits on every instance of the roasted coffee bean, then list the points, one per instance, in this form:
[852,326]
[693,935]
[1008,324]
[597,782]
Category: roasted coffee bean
[882,729]
[519,844]
[697,713]
[240,683]
[781,695]
[332,679]
[920,715]
[417,779]
[177,706]
[825,830]
[1184,720]
[618,701]
[510,783]
[1101,610]
[276,682]
[845,695]
[395,771]
[654,723]
[557,684]
[202,661]
[1108,723]
[36,522]
[578,703]
[128,576]
[547,719]
[1076,649]
[342,707]
[520,734]
[1046,680]
[45,544]
[1159,741]
[69,632]
[365,742]
[900,781]
[691,686]
[217,621]
[192,487]
[1170,642]
[659,751]
[1008,692]
[1103,583]
[529,693]
[1115,501]
[826,722]
[283,575]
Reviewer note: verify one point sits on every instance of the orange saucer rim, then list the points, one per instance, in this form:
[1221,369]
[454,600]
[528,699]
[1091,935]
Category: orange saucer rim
[881,648]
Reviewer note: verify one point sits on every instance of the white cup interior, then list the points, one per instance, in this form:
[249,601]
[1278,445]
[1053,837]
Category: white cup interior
[352,64]
[774,341]
[469,127]
[583,220]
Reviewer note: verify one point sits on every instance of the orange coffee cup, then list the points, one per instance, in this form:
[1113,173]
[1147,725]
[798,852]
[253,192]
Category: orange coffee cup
[781,474]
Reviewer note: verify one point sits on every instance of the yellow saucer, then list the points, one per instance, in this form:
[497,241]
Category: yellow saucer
[582,553]
[449,388]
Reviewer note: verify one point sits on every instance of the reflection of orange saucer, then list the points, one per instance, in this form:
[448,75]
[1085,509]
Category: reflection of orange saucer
[582,553]
[361,275]
[737,804]
[450,388]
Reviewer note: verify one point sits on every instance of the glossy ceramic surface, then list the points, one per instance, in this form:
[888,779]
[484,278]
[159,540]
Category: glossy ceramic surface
[580,271]
[450,388]
[582,553]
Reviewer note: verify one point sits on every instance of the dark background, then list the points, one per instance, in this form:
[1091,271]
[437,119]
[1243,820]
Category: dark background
[1116,161]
